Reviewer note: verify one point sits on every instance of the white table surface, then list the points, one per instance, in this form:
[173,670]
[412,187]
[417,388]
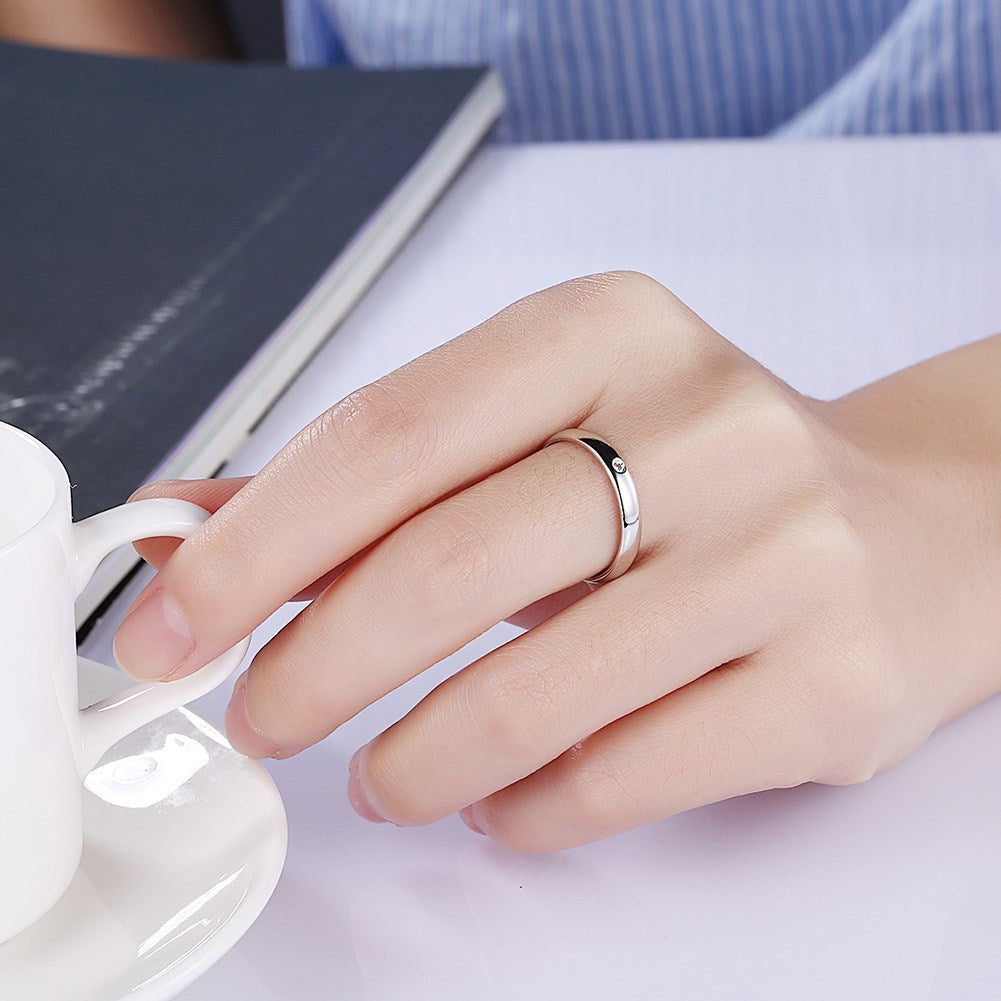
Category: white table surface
[833,263]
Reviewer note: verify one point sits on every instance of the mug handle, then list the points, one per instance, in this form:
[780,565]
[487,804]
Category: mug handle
[106,722]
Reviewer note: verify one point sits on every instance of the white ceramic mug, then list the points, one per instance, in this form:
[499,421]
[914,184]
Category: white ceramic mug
[47,743]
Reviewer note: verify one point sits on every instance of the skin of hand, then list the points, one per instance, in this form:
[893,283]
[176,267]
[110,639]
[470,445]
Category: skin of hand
[816,592]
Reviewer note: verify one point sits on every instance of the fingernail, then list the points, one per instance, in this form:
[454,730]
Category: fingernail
[155,639]
[359,801]
[153,489]
[469,820]
[243,735]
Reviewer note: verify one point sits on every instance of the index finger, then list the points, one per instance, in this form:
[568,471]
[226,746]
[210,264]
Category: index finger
[208,494]
[441,422]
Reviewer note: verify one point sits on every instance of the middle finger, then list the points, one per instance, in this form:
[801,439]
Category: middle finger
[426,590]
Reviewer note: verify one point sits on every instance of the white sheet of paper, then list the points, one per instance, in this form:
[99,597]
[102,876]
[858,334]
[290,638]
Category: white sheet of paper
[834,263]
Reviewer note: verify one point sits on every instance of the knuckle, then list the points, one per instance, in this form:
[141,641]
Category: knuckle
[594,793]
[385,431]
[639,290]
[831,545]
[590,799]
[655,317]
[631,301]
[785,431]
[512,710]
[590,290]
[624,311]
[769,422]
[450,563]
[820,561]
[611,290]
[207,565]
[823,551]
[801,505]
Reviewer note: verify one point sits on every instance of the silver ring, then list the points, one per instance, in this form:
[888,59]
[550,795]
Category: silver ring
[625,491]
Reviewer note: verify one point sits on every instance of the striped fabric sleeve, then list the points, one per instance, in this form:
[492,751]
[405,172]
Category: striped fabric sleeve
[616,69]
[310,39]
[936,69]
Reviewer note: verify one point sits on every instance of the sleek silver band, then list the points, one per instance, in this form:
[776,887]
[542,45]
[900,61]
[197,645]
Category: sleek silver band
[625,490]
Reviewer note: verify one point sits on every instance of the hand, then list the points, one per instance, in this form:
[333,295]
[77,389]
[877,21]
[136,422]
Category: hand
[816,591]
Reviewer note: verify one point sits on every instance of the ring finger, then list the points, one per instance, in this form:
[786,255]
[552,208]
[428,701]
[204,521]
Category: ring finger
[438,581]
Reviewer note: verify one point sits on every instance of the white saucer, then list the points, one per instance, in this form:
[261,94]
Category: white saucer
[184,840]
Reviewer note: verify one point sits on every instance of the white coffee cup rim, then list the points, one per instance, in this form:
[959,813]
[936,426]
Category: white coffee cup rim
[32,447]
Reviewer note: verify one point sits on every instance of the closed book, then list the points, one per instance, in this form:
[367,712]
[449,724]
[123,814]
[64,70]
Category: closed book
[177,239]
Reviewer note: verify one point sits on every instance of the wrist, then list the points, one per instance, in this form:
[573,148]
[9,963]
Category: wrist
[926,442]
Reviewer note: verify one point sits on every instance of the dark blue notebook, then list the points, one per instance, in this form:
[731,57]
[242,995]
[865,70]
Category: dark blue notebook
[176,239]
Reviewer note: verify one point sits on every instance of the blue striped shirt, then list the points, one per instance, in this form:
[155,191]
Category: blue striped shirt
[616,69]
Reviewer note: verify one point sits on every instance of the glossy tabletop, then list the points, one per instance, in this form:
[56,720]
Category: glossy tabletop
[833,263]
